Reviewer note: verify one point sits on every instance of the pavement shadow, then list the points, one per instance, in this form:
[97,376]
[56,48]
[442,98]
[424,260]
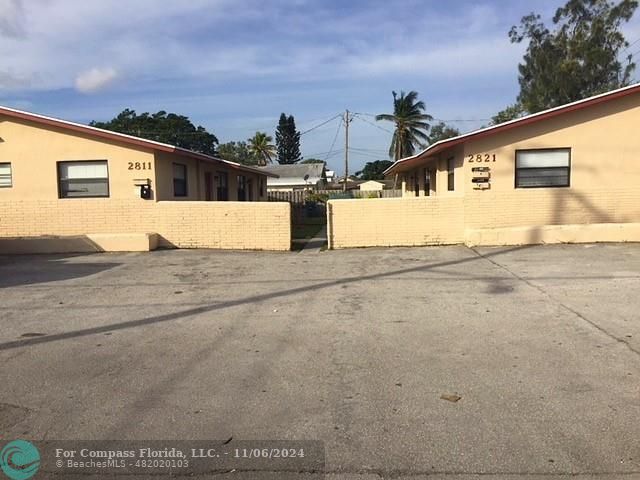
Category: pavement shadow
[474,257]
[20,270]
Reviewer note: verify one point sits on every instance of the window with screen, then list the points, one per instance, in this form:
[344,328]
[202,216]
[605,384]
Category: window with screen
[5,175]
[427,182]
[250,189]
[543,168]
[242,188]
[451,179]
[82,179]
[179,180]
[223,186]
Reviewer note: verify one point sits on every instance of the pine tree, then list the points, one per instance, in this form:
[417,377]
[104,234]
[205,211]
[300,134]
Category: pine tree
[288,141]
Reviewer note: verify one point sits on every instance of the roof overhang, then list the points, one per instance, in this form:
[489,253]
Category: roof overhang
[124,139]
[414,161]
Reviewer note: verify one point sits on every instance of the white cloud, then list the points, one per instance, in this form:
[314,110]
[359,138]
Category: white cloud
[95,79]
[215,41]
[11,18]
[11,80]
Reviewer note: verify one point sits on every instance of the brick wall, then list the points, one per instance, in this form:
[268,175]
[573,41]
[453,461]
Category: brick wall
[395,222]
[503,218]
[551,206]
[224,225]
[552,215]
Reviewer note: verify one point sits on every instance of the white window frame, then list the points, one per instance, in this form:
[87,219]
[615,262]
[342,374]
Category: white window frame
[185,169]
[548,164]
[9,175]
[63,163]
[451,174]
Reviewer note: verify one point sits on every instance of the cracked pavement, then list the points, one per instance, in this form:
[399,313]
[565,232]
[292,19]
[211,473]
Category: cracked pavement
[355,348]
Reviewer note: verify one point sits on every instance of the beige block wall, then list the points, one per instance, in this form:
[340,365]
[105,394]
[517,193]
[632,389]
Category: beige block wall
[224,225]
[389,222]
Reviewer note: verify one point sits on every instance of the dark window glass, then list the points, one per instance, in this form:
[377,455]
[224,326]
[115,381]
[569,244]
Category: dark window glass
[242,188]
[83,179]
[427,182]
[543,168]
[250,190]
[179,180]
[223,186]
[451,179]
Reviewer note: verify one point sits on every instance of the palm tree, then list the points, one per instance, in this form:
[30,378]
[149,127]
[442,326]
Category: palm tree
[261,147]
[411,124]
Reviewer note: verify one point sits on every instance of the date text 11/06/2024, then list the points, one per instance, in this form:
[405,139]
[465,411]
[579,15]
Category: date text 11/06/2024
[177,453]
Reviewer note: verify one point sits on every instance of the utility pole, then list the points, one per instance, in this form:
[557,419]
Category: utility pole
[346,149]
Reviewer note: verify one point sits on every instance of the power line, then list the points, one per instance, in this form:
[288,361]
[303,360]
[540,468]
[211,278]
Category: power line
[367,154]
[454,120]
[347,121]
[367,114]
[320,125]
[357,151]
[322,154]
[334,154]
[355,115]
[440,119]
[373,149]
[333,144]
[369,150]
[630,45]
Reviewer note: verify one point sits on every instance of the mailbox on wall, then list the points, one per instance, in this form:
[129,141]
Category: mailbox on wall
[481,178]
[143,186]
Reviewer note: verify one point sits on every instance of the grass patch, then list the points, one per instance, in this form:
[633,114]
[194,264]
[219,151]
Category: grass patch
[315,221]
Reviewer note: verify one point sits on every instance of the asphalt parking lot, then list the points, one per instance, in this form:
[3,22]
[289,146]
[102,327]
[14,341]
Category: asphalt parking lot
[536,351]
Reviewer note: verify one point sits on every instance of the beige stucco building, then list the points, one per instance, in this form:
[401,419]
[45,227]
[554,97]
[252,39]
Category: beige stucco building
[371,186]
[569,174]
[42,158]
[59,178]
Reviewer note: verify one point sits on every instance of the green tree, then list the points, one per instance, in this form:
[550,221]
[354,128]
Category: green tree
[577,58]
[510,113]
[261,148]
[442,131]
[162,127]
[410,124]
[288,141]
[374,170]
[238,152]
[312,160]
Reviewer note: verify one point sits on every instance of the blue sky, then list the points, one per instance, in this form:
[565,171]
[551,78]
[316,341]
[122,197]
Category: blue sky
[234,65]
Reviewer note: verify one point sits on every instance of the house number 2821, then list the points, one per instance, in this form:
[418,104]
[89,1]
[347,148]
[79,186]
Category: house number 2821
[481,158]
[139,165]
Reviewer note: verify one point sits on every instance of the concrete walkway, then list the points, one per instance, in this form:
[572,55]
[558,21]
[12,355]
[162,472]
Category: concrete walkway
[315,244]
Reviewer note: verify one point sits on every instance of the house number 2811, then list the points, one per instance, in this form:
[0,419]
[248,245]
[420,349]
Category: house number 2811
[481,158]
[139,166]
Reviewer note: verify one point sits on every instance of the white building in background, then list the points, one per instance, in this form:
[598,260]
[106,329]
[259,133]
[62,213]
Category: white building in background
[331,176]
[305,176]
